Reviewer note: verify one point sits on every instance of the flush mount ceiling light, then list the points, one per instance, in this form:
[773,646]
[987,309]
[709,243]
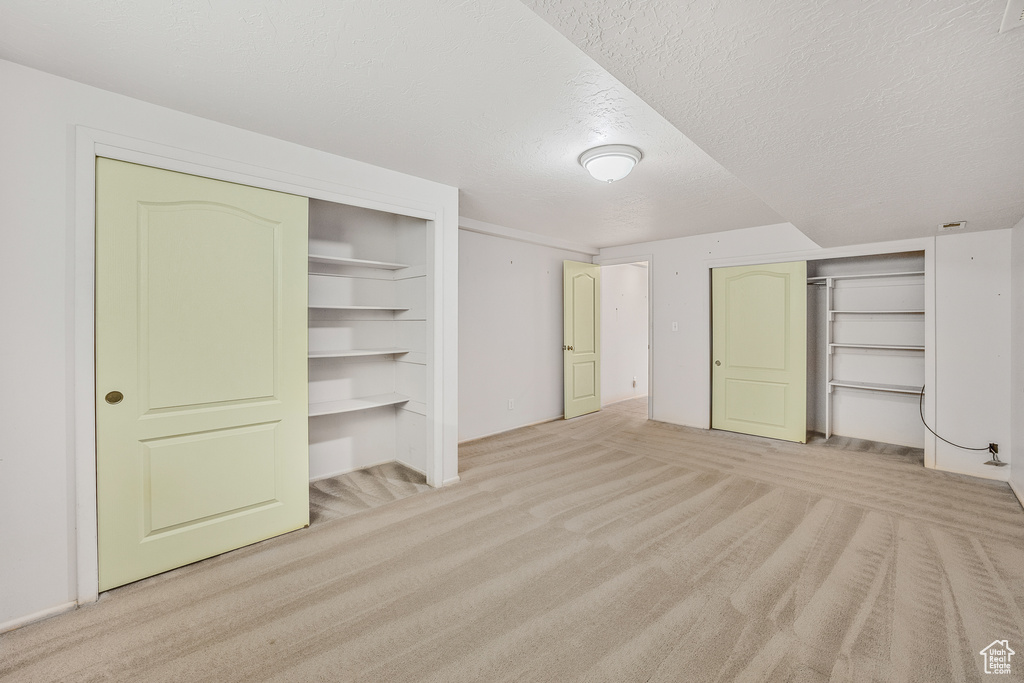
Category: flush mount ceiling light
[610,162]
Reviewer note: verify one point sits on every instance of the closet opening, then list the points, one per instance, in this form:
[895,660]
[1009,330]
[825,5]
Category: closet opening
[866,348]
[369,345]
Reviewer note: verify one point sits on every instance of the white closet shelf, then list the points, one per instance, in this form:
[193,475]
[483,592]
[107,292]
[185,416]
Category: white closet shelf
[350,405]
[904,312]
[362,263]
[873,386]
[359,308]
[888,347]
[862,276]
[353,352]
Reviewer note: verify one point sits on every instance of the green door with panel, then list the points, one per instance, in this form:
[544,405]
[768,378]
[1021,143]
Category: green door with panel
[201,390]
[759,350]
[581,348]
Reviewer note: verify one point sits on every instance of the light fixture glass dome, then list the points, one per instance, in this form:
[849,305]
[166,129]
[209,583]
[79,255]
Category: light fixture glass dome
[610,162]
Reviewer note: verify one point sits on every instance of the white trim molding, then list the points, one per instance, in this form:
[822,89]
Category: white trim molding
[872,249]
[1013,487]
[511,429]
[473,225]
[37,616]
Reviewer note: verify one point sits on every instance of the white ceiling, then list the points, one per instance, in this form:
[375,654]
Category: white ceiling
[856,120]
[865,121]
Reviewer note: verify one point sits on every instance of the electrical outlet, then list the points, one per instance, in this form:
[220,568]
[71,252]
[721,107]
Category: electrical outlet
[511,404]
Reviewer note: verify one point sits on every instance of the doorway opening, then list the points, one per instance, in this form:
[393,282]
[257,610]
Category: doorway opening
[625,333]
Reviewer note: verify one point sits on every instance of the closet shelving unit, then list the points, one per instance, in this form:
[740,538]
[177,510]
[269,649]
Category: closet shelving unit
[353,353]
[880,342]
[367,339]
[358,262]
[349,405]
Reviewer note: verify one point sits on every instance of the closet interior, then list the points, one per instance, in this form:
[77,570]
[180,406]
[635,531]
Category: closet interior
[368,338]
[866,347]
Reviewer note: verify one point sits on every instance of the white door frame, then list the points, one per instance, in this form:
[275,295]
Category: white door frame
[649,258]
[923,244]
[90,143]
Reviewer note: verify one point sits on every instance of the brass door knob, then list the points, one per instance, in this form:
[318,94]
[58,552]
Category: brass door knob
[114,397]
[718,362]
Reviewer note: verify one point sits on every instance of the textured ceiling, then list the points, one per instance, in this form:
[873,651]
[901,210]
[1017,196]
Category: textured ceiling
[482,95]
[856,120]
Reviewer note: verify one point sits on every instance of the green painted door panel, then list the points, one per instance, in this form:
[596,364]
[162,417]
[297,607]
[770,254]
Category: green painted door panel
[581,289]
[201,326]
[759,347]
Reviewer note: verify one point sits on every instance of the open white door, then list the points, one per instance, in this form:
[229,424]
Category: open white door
[759,350]
[581,347]
[200,368]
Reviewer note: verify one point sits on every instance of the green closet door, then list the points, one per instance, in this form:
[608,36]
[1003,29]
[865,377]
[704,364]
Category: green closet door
[201,395]
[759,350]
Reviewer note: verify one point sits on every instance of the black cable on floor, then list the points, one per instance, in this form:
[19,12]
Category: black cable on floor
[920,405]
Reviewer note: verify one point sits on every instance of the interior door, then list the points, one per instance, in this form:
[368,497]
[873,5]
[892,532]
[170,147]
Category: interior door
[759,348]
[200,368]
[581,349]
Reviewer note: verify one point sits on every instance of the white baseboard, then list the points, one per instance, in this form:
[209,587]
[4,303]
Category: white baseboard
[411,467]
[625,398]
[510,429]
[990,473]
[382,462]
[1017,492]
[37,616]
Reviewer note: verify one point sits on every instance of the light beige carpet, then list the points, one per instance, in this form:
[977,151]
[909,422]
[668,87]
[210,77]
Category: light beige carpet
[606,548]
[338,497]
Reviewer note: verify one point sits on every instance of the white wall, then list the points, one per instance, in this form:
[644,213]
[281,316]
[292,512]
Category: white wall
[38,294]
[972,350]
[1017,353]
[510,333]
[624,327]
[680,389]
[972,331]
